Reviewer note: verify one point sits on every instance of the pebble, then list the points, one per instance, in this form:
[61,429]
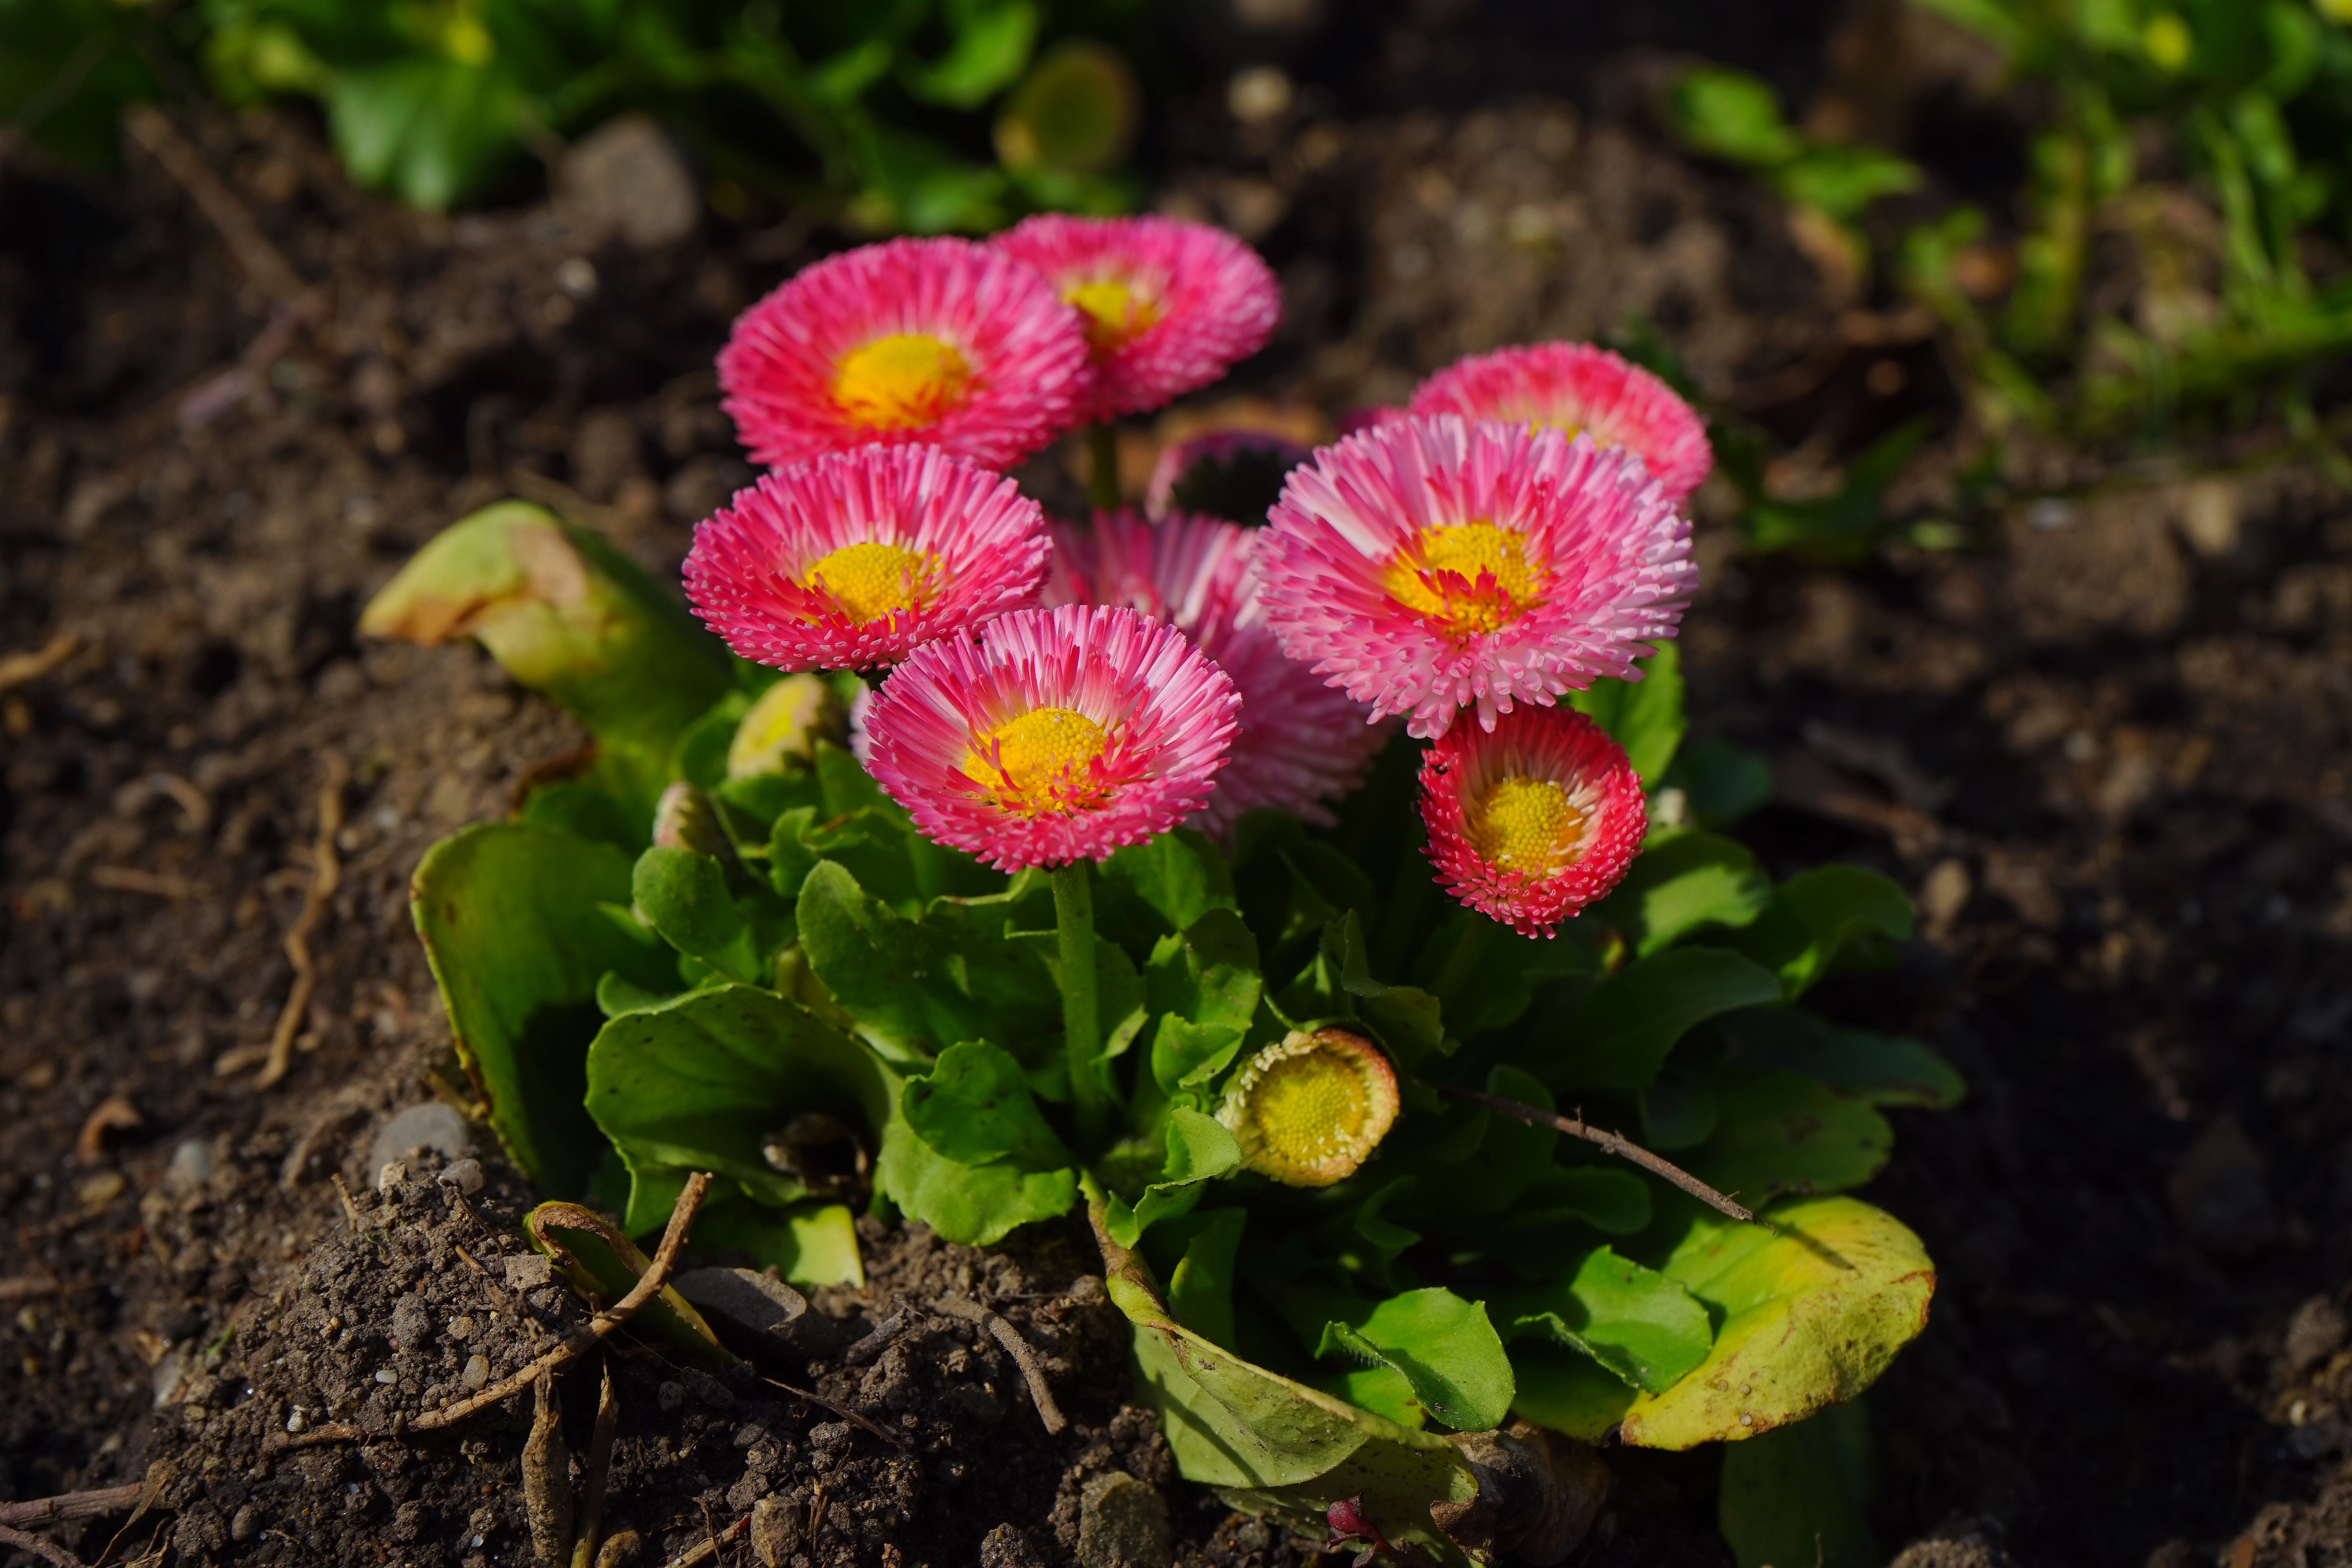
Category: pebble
[386,1376]
[628,179]
[429,1128]
[670,1396]
[1123,1523]
[477,1372]
[756,1313]
[466,1175]
[190,1168]
[295,1423]
[247,1524]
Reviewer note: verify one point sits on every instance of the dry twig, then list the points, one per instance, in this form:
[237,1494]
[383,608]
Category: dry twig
[19,669]
[1033,1371]
[1619,1146]
[262,263]
[649,1285]
[38,1547]
[326,875]
[600,1470]
[70,1505]
[115,1113]
[842,1411]
[704,1550]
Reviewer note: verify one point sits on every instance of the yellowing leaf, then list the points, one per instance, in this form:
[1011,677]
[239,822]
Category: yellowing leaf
[1810,1316]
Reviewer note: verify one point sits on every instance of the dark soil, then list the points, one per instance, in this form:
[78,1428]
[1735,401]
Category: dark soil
[2109,751]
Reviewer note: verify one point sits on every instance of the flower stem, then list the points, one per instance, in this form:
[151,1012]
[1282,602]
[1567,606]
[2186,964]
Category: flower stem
[1074,918]
[1102,466]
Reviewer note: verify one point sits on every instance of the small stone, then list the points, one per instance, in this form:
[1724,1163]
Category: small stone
[670,1396]
[828,1434]
[294,1422]
[627,179]
[528,1271]
[2218,1195]
[247,1524]
[2313,1334]
[460,1328]
[386,1376]
[410,1322]
[746,1492]
[466,1175]
[477,1372]
[775,1531]
[389,1178]
[190,1168]
[1123,1523]
[430,1128]
[756,1313]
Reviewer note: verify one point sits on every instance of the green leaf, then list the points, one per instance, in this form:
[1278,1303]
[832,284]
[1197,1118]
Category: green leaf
[704,1081]
[599,1261]
[898,977]
[1636,1322]
[1844,180]
[991,51]
[1200,1286]
[974,1108]
[1198,1149]
[1785,1132]
[1207,973]
[1567,1391]
[1684,882]
[1153,890]
[1731,115]
[1799,1494]
[1606,1197]
[430,128]
[683,896]
[1644,716]
[1272,1445]
[1877,1069]
[1444,1346]
[1808,1316]
[1484,976]
[508,915]
[976,1205]
[1817,916]
[566,614]
[1511,1154]
[1722,781]
[1621,1036]
[811,1245]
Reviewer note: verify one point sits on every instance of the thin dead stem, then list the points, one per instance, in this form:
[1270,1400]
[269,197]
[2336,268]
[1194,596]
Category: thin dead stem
[649,1285]
[326,876]
[1615,1144]
[1033,1371]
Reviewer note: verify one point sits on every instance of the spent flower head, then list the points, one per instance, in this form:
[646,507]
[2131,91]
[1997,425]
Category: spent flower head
[1169,306]
[938,341]
[1052,735]
[1311,1108]
[1426,566]
[857,558]
[1532,820]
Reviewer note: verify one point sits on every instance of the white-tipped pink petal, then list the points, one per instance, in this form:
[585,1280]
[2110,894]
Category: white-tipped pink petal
[1424,566]
[1579,387]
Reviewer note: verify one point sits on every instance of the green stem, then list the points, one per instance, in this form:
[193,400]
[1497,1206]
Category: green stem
[1102,466]
[1074,918]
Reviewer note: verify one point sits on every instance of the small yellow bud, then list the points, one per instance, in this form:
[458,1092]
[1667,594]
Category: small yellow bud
[785,722]
[1308,1110]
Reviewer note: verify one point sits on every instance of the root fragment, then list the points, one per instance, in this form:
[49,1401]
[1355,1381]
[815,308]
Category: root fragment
[1033,1371]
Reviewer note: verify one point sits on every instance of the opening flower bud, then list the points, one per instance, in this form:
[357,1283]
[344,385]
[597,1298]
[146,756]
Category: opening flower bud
[786,723]
[1309,1110]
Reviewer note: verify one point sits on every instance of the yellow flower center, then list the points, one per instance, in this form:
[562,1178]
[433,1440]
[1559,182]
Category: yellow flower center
[871,581]
[1526,825]
[901,382]
[1116,314]
[1468,577]
[1308,1110]
[1041,761]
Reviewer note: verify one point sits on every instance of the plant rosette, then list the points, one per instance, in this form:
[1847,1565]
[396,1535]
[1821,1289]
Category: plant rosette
[1308,1102]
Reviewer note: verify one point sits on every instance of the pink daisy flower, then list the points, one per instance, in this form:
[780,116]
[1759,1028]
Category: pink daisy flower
[855,559]
[1428,564]
[942,342]
[1298,743]
[1530,822]
[1053,735]
[1169,305]
[1579,388]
